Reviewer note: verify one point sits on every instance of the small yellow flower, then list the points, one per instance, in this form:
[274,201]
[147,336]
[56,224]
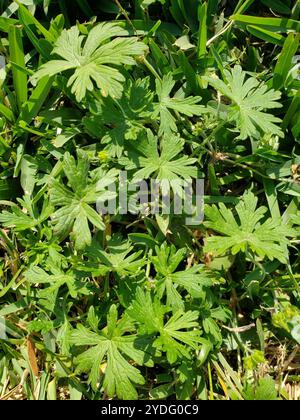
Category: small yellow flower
[103,156]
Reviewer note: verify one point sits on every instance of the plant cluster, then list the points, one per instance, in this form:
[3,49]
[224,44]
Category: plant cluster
[142,305]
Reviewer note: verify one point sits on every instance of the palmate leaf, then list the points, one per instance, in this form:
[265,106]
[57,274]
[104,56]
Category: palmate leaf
[162,110]
[118,258]
[117,121]
[265,390]
[177,337]
[249,100]
[169,280]
[175,340]
[113,349]
[94,59]
[17,219]
[165,165]
[248,232]
[26,218]
[55,280]
[75,211]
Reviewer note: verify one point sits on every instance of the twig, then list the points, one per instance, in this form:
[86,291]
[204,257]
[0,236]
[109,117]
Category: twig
[291,358]
[125,14]
[239,329]
[221,32]
[150,68]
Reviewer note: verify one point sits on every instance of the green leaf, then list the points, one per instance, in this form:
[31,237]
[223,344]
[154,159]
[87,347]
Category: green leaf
[162,392]
[85,7]
[75,211]
[163,222]
[272,24]
[264,390]
[177,337]
[108,6]
[249,100]
[29,168]
[17,56]
[183,43]
[92,61]
[33,28]
[272,198]
[266,35]
[163,109]
[6,23]
[114,348]
[265,239]
[171,282]
[31,108]
[7,113]
[123,120]
[284,63]
[165,166]
[242,6]
[19,220]
[29,21]
[202,30]
[159,57]
[293,108]
[53,282]
[277,6]
[119,259]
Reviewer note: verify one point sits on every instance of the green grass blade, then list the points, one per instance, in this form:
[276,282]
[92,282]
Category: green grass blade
[296,129]
[28,20]
[271,195]
[5,23]
[189,73]
[210,199]
[296,10]
[277,6]
[212,8]
[230,372]
[43,48]
[31,108]
[176,13]
[291,210]
[17,56]
[64,10]
[218,61]
[152,31]
[284,62]
[266,35]
[186,7]
[293,108]
[213,180]
[242,6]
[12,282]
[202,14]
[159,58]
[7,113]
[272,24]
